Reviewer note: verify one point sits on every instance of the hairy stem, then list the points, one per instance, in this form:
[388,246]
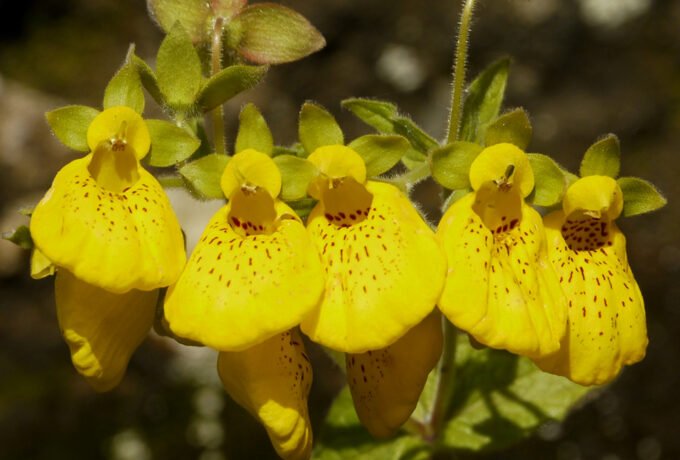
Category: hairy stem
[445,382]
[459,71]
[216,114]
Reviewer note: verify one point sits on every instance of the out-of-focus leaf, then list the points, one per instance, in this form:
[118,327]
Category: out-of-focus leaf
[513,128]
[228,83]
[343,437]
[317,128]
[253,132]
[148,79]
[380,153]
[204,174]
[192,14]
[501,398]
[603,158]
[70,125]
[170,144]
[125,88]
[296,174]
[483,101]
[274,34]
[41,266]
[227,8]
[178,69]
[639,196]
[549,180]
[21,236]
[384,118]
[451,164]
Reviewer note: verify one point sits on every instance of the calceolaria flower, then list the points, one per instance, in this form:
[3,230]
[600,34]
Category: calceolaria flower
[252,277]
[108,227]
[500,286]
[386,383]
[606,315]
[384,268]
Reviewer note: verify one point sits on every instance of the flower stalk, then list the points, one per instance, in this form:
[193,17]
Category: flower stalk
[217,114]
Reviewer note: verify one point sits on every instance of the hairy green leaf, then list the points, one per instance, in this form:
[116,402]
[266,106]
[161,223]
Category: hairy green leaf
[296,174]
[192,14]
[170,144]
[228,83]
[451,164]
[550,181]
[125,88]
[380,153]
[383,117]
[317,128]
[70,125]
[513,127]
[483,101]
[413,158]
[603,158]
[203,175]
[274,34]
[178,69]
[639,196]
[21,236]
[501,398]
[148,79]
[253,132]
[343,437]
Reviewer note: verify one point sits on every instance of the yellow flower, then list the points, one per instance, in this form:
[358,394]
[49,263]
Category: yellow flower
[109,228]
[253,276]
[384,269]
[271,380]
[606,315]
[254,273]
[386,383]
[500,287]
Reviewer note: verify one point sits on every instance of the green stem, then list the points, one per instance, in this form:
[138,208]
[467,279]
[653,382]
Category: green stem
[446,380]
[216,114]
[459,71]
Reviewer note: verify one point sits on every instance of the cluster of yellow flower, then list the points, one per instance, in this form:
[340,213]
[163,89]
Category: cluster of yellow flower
[363,277]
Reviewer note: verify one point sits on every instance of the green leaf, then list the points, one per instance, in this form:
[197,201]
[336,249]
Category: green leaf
[125,87]
[317,128]
[253,132]
[383,117]
[192,14]
[501,398]
[550,181]
[70,125]
[413,158]
[455,196]
[281,150]
[170,144]
[603,158]
[204,174]
[483,101]
[513,127]
[178,69]
[20,236]
[343,437]
[227,8]
[380,153]
[451,164]
[228,83]
[148,79]
[639,196]
[296,174]
[274,34]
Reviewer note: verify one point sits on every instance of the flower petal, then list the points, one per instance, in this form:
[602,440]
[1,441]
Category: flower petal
[102,329]
[387,383]
[117,241]
[494,163]
[251,168]
[272,381]
[238,291]
[501,291]
[606,316]
[384,274]
[121,123]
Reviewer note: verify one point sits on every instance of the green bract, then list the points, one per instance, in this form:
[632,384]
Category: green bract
[603,158]
[253,132]
[451,164]
[513,127]
[228,83]
[380,153]
[639,196]
[203,175]
[170,144]
[296,174]
[317,128]
[125,87]
[70,125]
[550,182]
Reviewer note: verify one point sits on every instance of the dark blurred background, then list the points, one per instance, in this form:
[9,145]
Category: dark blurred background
[581,69]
